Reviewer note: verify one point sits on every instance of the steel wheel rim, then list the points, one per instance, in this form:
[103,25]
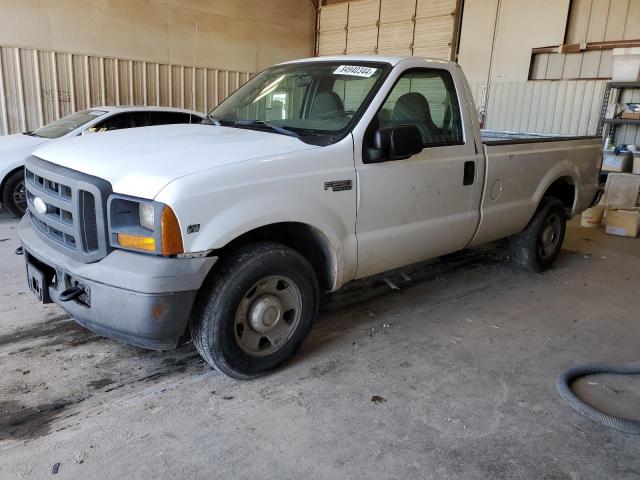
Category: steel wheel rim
[19,196]
[268,315]
[549,236]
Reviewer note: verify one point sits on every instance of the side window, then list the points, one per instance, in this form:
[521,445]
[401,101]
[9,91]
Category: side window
[115,122]
[169,118]
[141,119]
[427,99]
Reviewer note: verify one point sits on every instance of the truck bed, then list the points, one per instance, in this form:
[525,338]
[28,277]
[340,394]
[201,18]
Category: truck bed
[520,167]
[498,137]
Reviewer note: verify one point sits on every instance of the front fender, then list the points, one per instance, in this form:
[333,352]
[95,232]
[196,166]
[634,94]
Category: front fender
[230,201]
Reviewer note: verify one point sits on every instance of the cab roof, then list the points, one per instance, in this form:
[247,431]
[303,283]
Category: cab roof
[142,108]
[390,59]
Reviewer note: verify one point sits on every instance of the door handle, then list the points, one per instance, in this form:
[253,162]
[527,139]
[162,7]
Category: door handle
[469,172]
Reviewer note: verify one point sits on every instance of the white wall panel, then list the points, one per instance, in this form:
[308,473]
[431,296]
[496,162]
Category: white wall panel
[38,86]
[545,106]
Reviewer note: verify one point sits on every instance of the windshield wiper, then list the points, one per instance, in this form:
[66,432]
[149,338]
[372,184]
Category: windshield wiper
[262,123]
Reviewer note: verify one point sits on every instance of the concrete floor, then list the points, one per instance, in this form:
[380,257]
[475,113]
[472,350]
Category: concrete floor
[463,357]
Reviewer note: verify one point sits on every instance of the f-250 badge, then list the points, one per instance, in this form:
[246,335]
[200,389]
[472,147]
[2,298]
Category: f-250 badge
[338,185]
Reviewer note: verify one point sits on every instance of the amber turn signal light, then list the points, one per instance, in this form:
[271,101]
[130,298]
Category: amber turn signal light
[148,244]
[171,235]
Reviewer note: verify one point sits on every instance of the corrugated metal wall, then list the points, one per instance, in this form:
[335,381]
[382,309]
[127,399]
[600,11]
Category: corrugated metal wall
[560,107]
[38,86]
[393,27]
[590,21]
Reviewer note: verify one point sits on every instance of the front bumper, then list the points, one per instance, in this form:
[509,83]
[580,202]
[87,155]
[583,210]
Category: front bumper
[135,298]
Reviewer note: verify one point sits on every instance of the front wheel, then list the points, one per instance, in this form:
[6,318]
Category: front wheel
[254,312]
[539,244]
[14,194]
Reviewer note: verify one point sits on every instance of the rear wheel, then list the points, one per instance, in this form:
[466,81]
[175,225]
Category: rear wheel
[538,245]
[254,312]
[14,194]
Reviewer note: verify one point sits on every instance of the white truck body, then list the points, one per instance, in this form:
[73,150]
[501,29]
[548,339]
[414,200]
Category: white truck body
[384,215]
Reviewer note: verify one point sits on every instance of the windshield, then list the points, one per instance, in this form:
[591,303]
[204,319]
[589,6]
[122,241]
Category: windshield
[315,98]
[67,124]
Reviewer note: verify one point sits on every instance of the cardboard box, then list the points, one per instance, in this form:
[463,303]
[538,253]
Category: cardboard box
[624,222]
[621,190]
[617,163]
[630,115]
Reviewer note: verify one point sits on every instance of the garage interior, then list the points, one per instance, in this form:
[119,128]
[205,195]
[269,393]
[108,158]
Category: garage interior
[444,369]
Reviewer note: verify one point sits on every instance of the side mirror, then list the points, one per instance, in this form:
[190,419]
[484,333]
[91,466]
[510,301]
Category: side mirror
[394,143]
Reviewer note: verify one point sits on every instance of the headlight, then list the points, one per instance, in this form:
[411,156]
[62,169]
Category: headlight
[143,225]
[147,219]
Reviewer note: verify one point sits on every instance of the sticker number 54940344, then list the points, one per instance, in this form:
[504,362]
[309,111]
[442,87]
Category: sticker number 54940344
[355,70]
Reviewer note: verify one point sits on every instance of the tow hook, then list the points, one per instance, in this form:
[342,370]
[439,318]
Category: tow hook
[71,293]
[19,251]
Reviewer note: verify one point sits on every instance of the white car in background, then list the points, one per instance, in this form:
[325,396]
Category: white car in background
[15,148]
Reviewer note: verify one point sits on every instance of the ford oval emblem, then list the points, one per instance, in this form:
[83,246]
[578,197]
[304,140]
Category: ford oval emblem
[40,206]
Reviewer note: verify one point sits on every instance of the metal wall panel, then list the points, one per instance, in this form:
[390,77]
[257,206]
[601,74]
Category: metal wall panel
[600,20]
[364,13]
[395,27]
[362,40]
[332,43]
[332,38]
[559,107]
[434,36]
[435,8]
[396,38]
[38,86]
[334,17]
[392,11]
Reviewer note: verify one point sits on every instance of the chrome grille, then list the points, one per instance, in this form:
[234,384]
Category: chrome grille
[75,218]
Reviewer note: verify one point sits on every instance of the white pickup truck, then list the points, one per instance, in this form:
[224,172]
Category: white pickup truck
[314,173]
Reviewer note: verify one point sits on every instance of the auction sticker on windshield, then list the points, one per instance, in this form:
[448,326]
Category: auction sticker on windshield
[355,70]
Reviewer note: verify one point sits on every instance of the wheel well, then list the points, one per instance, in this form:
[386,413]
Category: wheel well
[6,177]
[303,238]
[564,190]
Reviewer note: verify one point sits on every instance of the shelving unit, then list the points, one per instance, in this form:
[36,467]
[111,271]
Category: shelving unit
[612,123]
[609,126]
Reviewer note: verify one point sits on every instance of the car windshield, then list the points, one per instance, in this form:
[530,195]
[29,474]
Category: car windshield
[315,98]
[67,124]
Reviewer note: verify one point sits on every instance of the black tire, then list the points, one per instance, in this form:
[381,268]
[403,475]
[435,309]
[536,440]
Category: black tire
[214,324]
[538,245]
[12,191]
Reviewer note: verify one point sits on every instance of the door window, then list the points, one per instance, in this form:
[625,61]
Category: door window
[115,122]
[170,118]
[427,99]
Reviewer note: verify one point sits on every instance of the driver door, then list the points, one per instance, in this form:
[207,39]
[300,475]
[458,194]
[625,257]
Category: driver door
[423,206]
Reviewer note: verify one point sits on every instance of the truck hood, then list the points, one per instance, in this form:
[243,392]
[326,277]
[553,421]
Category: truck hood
[141,161]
